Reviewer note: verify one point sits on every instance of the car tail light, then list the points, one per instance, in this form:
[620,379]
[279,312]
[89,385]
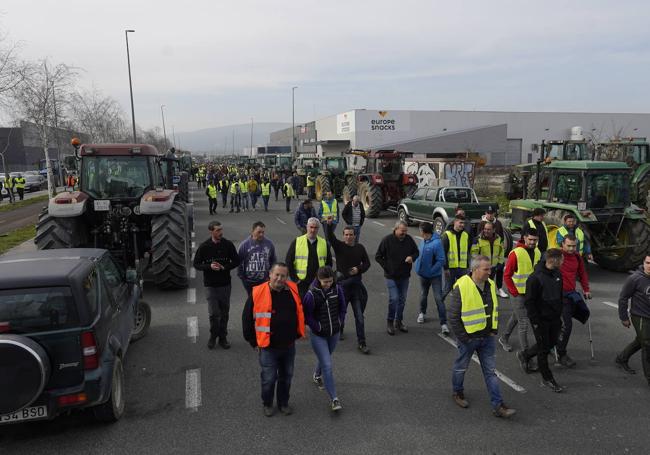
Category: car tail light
[5,327]
[63,201]
[90,350]
[75,398]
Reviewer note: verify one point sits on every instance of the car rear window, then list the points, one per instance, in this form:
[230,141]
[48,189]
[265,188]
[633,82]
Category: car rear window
[37,310]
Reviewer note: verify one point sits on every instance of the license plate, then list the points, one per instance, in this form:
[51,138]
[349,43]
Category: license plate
[102,206]
[32,413]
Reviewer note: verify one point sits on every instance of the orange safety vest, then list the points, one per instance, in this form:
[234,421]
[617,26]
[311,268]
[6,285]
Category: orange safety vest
[263,312]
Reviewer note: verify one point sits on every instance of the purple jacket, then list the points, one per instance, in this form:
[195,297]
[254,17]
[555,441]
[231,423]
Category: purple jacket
[255,260]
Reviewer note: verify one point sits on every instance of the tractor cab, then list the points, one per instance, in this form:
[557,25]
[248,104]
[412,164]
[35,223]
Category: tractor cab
[565,150]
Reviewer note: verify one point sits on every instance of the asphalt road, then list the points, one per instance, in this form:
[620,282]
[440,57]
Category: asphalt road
[183,398]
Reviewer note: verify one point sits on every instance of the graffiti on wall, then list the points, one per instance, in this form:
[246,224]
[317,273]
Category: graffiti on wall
[459,173]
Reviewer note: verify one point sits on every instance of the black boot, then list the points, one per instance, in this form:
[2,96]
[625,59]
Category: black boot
[390,328]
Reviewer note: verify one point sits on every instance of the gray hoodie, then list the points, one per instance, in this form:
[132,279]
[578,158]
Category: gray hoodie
[636,288]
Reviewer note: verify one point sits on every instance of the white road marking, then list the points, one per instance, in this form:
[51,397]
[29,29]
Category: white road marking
[191,295]
[280,220]
[505,379]
[193,389]
[613,305]
[380,224]
[192,273]
[193,328]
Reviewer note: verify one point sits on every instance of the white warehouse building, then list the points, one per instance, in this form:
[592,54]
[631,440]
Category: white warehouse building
[503,138]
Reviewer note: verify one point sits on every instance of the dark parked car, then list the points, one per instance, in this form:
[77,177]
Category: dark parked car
[66,320]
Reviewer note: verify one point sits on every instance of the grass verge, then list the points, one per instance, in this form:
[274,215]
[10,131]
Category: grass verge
[16,237]
[19,204]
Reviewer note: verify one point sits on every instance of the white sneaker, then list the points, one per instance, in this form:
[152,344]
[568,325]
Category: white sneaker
[445,329]
[501,293]
[421,318]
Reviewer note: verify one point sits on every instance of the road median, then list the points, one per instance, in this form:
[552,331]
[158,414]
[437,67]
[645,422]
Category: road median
[24,203]
[16,237]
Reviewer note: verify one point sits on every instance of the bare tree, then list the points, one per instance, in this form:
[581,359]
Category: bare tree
[41,99]
[100,117]
[12,70]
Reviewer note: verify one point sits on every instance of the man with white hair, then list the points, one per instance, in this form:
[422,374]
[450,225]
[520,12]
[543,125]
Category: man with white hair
[396,254]
[306,254]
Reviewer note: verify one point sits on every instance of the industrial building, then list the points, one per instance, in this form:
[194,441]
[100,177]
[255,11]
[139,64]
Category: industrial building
[503,138]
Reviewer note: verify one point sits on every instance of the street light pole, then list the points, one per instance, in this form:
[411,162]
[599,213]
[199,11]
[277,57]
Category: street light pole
[162,114]
[128,60]
[174,138]
[293,123]
[251,152]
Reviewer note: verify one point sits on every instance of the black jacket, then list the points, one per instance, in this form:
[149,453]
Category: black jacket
[636,288]
[348,256]
[392,253]
[312,262]
[347,213]
[543,299]
[224,253]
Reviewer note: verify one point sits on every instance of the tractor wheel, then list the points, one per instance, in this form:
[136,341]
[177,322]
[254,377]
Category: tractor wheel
[372,198]
[532,187]
[626,258]
[337,186]
[643,191]
[349,191]
[508,243]
[322,186]
[54,232]
[170,245]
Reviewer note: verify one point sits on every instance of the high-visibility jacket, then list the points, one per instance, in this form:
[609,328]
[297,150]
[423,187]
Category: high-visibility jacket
[330,210]
[9,182]
[580,236]
[457,259]
[223,186]
[263,312]
[243,186]
[288,190]
[493,250]
[266,189]
[311,181]
[234,188]
[20,183]
[524,267]
[302,254]
[472,311]
[212,191]
[531,223]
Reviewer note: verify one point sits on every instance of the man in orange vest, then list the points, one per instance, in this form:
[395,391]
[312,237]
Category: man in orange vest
[272,321]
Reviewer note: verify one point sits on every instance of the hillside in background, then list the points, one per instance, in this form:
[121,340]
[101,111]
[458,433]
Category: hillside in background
[220,140]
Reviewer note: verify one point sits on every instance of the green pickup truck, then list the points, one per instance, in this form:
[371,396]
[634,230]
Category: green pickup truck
[438,206]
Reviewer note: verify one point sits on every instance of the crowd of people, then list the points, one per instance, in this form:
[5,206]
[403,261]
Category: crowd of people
[10,184]
[466,268]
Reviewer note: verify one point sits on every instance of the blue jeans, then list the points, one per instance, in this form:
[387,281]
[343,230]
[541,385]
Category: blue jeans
[454,274]
[397,290]
[244,201]
[484,348]
[323,348]
[435,283]
[357,233]
[266,202]
[277,367]
[253,197]
[355,296]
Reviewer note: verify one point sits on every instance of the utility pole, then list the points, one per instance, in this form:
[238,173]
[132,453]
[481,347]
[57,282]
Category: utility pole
[233,142]
[174,136]
[293,123]
[128,60]
[251,152]
[162,113]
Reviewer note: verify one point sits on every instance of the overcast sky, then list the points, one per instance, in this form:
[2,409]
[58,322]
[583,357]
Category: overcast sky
[216,62]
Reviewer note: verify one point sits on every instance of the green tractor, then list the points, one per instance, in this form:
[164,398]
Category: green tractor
[333,176]
[598,194]
[304,167]
[523,179]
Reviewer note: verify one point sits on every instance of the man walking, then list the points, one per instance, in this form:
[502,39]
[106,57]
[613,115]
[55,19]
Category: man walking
[474,319]
[235,195]
[520,265]
[243,186]
[537,222]
[351,263]
[311,186]
[354,215]
[573,269]
[275,183]
[571,227]
[306,254]
[266,193]
[490,244]
[287,194]
[224,186]
[9,185]
[272,321]
[216,257]
[252,192]
[429,266]
[256,256]
[396,254]
[211,192]
[635,299]
[329,210]
[304,212]
[456,243]
[543,301]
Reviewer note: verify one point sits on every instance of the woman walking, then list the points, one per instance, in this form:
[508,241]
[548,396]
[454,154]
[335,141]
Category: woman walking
[324,308]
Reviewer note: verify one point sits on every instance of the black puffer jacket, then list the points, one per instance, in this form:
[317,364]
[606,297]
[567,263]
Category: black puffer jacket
[324,309]
[543,298]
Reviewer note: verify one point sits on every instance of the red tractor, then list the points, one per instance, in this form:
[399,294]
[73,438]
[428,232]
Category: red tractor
[383,182]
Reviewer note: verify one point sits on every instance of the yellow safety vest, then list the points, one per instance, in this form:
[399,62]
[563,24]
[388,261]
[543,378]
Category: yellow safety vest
[302,254]
[494,251]
[457,259]
[580,236]
[524,267]
[266,189]
[311,181]
[330,210]
[233,188]
[9,182]
[531,223]
[212,191]
[288,190]
[20,182]
[243,186]
[472,311]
